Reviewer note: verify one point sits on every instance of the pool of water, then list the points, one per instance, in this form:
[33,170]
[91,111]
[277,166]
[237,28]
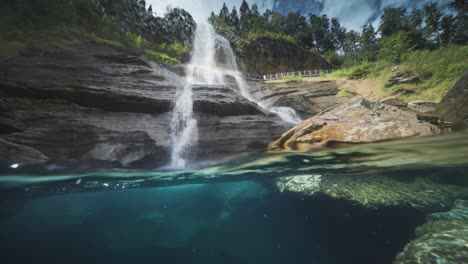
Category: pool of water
[230,213]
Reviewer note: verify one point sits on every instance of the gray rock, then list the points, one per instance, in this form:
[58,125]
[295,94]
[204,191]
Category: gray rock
[422,106]
[359,121]
[403,78]
[454,106]
[15,153]
[106,105]
[308,98]
[442,239]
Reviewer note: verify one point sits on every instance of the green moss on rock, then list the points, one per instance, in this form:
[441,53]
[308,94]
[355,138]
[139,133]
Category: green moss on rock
[443,239]
[375,191]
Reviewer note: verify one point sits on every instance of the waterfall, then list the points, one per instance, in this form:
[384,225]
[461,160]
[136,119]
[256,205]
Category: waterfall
[203,69]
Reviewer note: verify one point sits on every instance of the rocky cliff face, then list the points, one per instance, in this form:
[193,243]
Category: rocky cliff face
[264,56]
[454,106]
[111,108]
[308,98]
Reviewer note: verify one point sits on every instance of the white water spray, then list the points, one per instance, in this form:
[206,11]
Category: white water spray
[203,69]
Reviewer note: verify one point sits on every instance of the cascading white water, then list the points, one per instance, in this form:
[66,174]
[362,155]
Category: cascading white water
[203,69]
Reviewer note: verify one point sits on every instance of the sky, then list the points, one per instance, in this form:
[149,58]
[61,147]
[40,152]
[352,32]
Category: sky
[353,14]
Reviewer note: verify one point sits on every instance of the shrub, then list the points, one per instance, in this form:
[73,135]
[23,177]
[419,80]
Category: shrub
[293,79]
[162,58]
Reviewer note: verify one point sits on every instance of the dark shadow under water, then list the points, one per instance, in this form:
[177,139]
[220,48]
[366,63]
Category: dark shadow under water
[241,222]
[230,213]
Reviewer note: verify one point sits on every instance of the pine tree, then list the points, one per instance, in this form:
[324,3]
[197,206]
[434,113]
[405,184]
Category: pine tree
[244,15]
[339,34]
[234,18]
[368,43]
[433,18]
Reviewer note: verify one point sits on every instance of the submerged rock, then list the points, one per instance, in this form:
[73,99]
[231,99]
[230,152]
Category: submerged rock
[454,107]
[359,121]
[443,239]
[376,191]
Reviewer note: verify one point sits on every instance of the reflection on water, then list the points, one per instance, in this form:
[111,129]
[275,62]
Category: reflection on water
[235,212]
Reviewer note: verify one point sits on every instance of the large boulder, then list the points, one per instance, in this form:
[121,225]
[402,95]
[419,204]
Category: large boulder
[359,121]
[376,191]
[442,239]
[454,106]
[106,106]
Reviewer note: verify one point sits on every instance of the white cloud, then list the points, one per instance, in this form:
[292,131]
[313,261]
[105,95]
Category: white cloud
[353,14]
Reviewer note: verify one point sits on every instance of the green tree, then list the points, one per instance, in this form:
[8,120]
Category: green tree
[352,45]
[369,43]
[433,19]
[296,26]
[460,31]
[234,18]
[395,47]
[244,16]
[339,34]
[320,28]
[224,15]
[393,20]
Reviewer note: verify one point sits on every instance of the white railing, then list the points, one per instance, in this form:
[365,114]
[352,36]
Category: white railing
[283,75]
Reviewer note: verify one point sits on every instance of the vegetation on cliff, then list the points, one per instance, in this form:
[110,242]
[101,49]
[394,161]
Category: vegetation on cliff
[430,42]
[60,25]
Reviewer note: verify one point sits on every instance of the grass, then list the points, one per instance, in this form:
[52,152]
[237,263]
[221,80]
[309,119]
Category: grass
[161,57]
[292,79]
[347,92]
[439,70]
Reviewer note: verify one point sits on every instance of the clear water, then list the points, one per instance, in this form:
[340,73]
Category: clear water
[229,213]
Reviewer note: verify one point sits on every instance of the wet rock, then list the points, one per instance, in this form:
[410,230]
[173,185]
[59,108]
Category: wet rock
[376,191]
[9,125]
[359,121]
[308,98]
[442,239]
[422,106]
[16,153]
[403,78]
[454,106]
[106,106]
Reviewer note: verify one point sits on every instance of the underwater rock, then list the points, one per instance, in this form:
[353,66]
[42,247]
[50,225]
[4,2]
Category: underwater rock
[377,191]
[307,98]
[442,239]
[359,121]
[454,106]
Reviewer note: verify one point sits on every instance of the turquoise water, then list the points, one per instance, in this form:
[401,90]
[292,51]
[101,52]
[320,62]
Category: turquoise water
[229,213]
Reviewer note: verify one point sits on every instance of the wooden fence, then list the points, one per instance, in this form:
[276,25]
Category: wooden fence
[283,75]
